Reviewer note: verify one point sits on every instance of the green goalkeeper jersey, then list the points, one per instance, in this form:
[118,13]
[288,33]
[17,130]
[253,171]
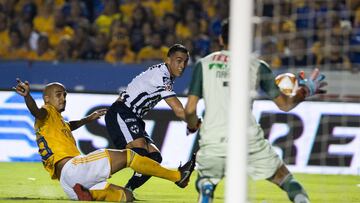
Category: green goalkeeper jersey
[261,77]
[210,81]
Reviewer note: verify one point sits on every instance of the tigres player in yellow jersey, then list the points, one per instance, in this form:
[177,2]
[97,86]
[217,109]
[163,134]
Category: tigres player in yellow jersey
[84,177]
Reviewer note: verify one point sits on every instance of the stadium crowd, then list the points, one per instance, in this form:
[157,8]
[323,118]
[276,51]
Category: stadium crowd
[297,33]
[302,33]
[116,31]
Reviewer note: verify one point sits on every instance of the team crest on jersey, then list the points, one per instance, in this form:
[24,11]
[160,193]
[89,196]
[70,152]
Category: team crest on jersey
[167,84]
[134,129]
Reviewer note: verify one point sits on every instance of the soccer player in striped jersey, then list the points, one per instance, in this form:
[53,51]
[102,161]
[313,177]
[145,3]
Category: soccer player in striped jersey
[84,177]
[124,118]
[210,82]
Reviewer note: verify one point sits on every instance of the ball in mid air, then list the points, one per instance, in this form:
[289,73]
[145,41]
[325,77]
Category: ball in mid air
[287,83]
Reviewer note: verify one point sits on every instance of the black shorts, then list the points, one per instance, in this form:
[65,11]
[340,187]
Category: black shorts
[124,126]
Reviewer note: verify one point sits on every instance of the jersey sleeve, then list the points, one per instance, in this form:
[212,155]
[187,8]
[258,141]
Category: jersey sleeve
[196,81]
[47,108]
[267,81]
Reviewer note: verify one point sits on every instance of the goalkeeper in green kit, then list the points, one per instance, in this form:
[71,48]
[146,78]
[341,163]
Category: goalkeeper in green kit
[210,82]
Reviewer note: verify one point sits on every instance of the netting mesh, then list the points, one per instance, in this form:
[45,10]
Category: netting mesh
[320,136]
[304,33]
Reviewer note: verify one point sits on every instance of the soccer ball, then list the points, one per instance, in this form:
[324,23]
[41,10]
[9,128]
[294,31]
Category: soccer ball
[287,83]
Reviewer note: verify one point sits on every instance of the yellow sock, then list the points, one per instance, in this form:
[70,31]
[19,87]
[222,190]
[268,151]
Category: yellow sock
[147,166]
[109,195]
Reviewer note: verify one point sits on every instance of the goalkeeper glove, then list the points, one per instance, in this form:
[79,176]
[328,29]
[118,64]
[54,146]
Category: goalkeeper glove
[313,84]
[193,130]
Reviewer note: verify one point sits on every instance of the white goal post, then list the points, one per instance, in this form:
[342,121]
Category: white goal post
[240,47]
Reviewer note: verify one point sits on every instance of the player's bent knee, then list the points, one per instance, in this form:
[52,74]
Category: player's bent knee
[156,156]
[140,151]
[206,190]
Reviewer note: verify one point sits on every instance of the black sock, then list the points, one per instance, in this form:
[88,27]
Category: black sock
[137,179]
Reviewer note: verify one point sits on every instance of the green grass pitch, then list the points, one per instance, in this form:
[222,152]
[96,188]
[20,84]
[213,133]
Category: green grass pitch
[29,182]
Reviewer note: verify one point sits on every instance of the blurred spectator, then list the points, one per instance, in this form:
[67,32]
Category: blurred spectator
[27,10]
[64,49]
[160,7]
[298,56]
[184,5]
[222,12]
[8,7]
[170,39]
[44,21]
[30,36]
[75,13]
[101,42]
[355,50]
[188,43]
[4,32]
[153,52]
[201,40]
[43,51]
[304,14]
[147,30]
[211,7]
[127,7]
[333,57]
[139,17]
[182,27]
[111,12]
[82,44]
[16,48]
[120,32]
[286,33]
[120,53]
[96,8]
[270,54]
[215,46]
[355,39]
[169,24]
[60,29]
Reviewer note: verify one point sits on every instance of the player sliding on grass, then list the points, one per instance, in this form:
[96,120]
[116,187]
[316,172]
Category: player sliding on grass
[210,81]
[83,177]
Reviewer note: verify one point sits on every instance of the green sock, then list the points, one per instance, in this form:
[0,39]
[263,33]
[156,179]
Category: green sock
[292,187]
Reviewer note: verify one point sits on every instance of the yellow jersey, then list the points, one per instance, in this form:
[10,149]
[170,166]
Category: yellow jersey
[54,139]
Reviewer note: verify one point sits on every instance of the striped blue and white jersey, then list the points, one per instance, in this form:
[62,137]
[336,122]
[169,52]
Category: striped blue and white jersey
[148,88]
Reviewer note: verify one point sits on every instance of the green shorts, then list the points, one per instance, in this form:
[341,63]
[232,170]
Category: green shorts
[210,164]
[263,161]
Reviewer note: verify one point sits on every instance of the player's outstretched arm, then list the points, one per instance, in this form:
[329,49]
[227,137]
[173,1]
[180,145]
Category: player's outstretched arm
[307,87]
[23,89]
[192,120]
[93,116]
[176,106]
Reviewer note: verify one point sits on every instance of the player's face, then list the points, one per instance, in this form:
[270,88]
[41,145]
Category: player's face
[57,97]
[177,63]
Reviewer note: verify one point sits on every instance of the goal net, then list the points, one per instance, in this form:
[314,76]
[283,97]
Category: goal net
[320,138]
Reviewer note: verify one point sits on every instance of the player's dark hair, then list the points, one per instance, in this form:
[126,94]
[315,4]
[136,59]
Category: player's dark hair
[225,31]
[177,47]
